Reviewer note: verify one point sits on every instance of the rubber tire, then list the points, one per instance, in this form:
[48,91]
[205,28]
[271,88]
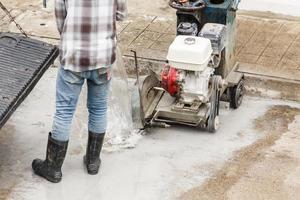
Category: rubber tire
[212,128]
[236,94]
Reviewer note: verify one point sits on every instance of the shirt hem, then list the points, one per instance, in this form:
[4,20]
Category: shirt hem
[81,69]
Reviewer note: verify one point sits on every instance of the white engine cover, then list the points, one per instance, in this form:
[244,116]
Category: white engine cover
[195,85]
[190,53]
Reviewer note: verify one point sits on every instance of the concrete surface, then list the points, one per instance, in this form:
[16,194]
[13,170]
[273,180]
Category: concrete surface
[255,155]
[289,7]
[267,169]
[165,164]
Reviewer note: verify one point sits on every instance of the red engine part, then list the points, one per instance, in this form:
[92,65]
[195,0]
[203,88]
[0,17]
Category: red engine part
[169,77]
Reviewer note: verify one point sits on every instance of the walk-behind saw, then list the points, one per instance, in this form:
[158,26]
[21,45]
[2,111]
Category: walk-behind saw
[200,70]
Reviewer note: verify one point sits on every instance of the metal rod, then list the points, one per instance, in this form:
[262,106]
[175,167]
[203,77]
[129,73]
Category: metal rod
[159,89]
[138,85]
[136,67]
[12,19]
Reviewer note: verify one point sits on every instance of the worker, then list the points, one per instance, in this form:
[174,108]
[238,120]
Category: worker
[87,52]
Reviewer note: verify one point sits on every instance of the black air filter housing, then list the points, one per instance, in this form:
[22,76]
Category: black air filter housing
[216,33]
[186,28]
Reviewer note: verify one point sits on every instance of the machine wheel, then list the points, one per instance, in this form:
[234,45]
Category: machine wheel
[213,124]
[213,119]
[236,94]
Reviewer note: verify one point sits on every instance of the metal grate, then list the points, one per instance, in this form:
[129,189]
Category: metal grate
[22,63]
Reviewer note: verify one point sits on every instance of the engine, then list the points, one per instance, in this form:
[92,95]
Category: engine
[188,86]
[191,64]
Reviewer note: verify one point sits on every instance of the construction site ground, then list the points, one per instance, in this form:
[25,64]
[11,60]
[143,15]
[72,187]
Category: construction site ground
[255,154]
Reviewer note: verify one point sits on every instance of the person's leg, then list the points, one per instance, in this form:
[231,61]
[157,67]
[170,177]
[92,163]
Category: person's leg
[98,90]
[98,87]
[68,87]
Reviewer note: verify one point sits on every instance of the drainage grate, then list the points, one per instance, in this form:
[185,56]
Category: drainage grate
[22,63]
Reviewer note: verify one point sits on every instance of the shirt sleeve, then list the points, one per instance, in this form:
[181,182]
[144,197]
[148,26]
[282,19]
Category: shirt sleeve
[60,14]
[121,10]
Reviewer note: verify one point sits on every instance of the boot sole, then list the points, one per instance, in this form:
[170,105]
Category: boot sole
[89,171]
[48,178]
[53,180]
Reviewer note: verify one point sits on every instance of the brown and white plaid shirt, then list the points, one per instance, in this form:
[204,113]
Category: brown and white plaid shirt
[88,32]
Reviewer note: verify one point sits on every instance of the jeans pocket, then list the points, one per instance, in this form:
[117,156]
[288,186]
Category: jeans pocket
[71,77]
[101,78]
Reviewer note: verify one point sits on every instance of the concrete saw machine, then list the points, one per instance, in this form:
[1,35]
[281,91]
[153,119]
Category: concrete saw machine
[200,70]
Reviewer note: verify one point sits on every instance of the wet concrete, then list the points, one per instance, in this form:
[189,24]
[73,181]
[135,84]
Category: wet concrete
[164,164]
[259,170]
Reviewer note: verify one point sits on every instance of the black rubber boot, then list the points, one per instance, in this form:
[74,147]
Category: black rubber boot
[92,158]
[50,168]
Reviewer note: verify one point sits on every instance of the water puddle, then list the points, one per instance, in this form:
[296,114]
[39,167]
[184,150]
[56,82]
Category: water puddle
[120,132]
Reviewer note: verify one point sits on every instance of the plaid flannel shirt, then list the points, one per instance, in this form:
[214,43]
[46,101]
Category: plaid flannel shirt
[88,32]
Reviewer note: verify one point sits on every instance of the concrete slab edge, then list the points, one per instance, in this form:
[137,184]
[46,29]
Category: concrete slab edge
[256,85]
[271,87]
[266,15]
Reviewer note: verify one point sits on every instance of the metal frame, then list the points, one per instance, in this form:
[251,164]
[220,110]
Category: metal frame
[32,82]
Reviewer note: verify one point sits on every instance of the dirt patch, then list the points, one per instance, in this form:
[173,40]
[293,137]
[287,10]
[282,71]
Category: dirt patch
[276,120]
[273,123]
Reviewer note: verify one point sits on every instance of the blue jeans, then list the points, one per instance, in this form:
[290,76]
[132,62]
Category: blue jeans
[68,88]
